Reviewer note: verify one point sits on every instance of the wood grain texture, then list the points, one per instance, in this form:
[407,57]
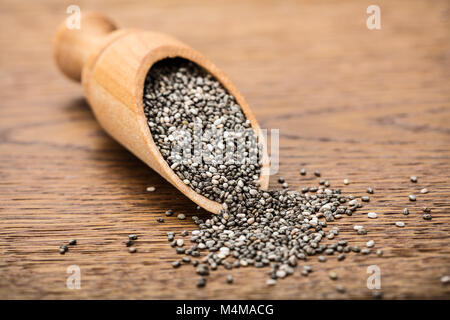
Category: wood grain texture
[370,106]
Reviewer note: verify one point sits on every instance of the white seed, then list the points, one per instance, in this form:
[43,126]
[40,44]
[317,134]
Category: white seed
[271,282]
[372,215]
[370,243]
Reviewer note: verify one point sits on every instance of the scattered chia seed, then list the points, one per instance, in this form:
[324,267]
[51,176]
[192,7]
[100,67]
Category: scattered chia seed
[424,190]
[361,231]
[412,197]
[168,213]
[400,224]
[129,243]
[132,249]
[160,220]
[427,216]
[445,279]
[72,242]
[340,289]
[333,275]
[176,264]
[274,228]
[369,190]
[132,237]
[372,215]
[370,243]
[229,279]
[413,179]
[377,294]
[346,181]
[151,189]
[271,282]
[405,211]
[379,252]
[201,282]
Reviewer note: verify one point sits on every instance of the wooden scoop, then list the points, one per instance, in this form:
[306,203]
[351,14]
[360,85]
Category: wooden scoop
[112,65]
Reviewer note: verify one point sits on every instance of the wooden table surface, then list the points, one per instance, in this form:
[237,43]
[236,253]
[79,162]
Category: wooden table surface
[370,106]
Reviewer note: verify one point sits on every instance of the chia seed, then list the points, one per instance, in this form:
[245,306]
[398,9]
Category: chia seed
[132,249]
[256,228]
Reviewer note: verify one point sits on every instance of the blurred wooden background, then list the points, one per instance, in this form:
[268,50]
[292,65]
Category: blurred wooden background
[370,106]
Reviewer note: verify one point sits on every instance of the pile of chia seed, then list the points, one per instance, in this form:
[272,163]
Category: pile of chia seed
[182,97]
[275,228]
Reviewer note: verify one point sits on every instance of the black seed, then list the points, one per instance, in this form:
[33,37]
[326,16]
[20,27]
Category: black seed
[129,243]
[176,264]
[201,282]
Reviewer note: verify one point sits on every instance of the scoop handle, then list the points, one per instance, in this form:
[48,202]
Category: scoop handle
[73,46]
